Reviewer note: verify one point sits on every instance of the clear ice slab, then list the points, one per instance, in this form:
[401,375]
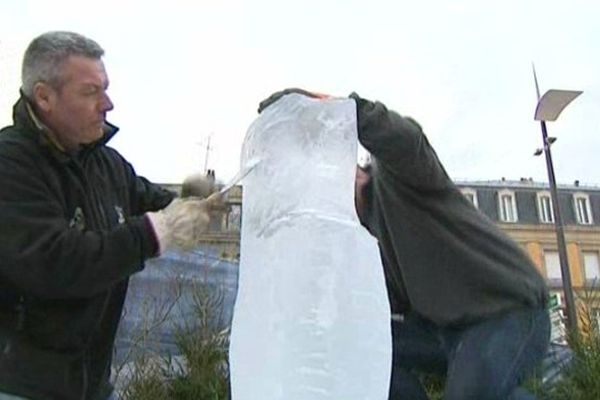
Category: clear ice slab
[311,319]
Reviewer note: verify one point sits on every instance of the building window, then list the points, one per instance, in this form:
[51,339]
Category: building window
[545,210]
[596,318]
[234,218]
[583,212]
[552,264]
[591,266]
[507,206]
[471,195]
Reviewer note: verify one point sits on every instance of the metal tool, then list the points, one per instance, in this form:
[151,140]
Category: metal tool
[241,174]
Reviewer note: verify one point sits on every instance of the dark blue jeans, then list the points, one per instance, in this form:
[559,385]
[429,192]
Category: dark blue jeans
[482,361]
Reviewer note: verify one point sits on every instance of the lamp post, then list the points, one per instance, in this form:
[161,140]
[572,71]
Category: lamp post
[548,108]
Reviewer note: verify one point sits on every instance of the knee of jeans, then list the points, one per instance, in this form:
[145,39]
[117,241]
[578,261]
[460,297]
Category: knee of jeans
[489,393]
[479,383]
[474,391]
[113,396]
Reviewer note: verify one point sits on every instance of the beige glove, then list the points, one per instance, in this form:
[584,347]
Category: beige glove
[183,222]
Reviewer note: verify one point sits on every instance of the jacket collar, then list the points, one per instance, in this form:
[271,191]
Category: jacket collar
[24,117]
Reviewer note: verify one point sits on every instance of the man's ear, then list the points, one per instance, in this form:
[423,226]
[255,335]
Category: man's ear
[43,96]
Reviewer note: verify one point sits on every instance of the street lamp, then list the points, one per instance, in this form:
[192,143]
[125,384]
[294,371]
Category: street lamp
[549,107]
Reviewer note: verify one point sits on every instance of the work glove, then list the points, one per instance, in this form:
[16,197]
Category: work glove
[183,222]
[363,108]
[359,100]
[277,95]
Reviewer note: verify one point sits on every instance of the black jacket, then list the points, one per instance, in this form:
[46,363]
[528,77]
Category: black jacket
[71,233]
[442,257]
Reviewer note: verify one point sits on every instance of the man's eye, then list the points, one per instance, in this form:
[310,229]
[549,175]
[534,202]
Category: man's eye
[90,91]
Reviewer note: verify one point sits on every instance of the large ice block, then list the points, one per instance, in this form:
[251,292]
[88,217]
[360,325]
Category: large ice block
[311,319]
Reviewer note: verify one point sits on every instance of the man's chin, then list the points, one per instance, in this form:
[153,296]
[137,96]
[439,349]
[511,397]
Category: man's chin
[93,137]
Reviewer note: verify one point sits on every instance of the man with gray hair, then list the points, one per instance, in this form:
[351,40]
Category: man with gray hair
[75,223]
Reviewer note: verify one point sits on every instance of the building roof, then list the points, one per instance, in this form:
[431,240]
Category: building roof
[527,183]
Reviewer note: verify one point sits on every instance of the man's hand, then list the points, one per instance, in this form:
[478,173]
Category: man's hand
[183,222]
[277,95]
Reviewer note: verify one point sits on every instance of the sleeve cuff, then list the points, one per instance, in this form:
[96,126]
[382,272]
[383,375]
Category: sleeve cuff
[151,246]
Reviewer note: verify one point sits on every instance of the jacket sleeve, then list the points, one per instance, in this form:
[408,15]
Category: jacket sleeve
[149,196]
[144,195]
[44,256]
[398,145]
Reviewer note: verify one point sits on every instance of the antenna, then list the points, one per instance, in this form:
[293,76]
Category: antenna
[204,147]
[207,153]
[537,87]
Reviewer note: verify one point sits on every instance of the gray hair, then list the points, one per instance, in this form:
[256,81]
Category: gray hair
[46,54]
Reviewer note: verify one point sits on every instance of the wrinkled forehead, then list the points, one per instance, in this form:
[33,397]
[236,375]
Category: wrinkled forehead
[84,70]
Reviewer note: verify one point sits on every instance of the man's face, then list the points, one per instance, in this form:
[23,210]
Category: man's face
[76,110]
[362,179]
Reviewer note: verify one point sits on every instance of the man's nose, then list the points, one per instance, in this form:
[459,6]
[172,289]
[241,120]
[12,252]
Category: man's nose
[107,104]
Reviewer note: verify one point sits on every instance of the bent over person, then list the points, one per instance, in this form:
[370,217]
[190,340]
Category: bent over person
[75,223]
[467,302]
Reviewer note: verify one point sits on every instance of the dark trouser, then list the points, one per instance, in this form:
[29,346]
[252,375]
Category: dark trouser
[6,396]
[486,360]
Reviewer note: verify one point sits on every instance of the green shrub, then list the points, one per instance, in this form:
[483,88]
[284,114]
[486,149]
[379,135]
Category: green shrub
[203,345]
[202,370]
[581,379]
[146,383]
[434,386]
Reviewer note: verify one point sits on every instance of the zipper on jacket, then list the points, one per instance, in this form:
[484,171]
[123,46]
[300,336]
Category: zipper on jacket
[21,310]
[95,207]
[85,374]
[90,196]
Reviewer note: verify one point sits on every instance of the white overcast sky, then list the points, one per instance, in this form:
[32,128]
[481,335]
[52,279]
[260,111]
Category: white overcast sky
[182,71]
